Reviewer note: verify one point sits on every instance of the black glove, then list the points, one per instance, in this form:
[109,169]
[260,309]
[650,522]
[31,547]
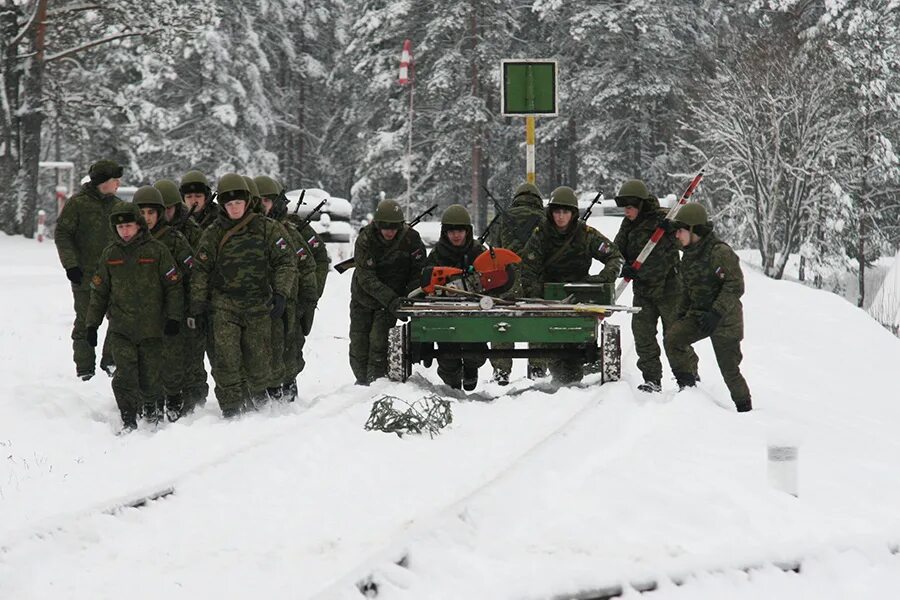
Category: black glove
[172,327]
[306,319]
[90,334]
[75,275]
[278,304]
[629,272]
[708,321]
[666,225]
[395,305]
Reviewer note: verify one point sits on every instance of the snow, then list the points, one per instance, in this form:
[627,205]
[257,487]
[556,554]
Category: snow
[532,495]
[885,307]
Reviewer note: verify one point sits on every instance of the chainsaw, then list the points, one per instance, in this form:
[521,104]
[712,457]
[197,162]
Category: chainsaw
[491,271]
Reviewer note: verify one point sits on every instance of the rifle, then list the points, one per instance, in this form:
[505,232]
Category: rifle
[487,229]
[346,265]
[308,219]
[299,201]
[587,213]
[660,231]
[188,217]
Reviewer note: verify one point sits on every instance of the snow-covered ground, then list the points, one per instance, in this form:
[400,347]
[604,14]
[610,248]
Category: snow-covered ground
[533,495]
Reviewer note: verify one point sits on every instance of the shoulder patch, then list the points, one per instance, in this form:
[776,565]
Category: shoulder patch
[188,262]
[720,272]
[313,242]
[172,275]
[281,243]
[417,253]
[202,256]
[301,252]
[604,248]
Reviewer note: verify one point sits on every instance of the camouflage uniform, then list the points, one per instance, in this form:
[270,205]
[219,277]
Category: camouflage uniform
[385,272]
[82,232]
[657,290]
[237,268]
[552,256]
[514,231]
[139,284]
[457,371]
[710,306]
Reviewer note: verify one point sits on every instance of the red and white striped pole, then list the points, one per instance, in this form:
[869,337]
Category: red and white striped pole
[406,78]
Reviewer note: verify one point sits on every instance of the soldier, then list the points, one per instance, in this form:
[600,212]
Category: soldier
[457,247]
[243,274]
[176,212]
[389,260]
[288,333]
[317,245]
[197,195]
[710,303]
[138,283]
[657,287]
[561,249]
[153,207]
[515,229]
[82,232]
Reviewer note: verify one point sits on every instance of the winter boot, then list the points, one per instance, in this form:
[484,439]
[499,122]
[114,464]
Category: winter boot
[536,372]
[151,414]
[84,375]
[275,393]
[743,405]
[685,380]
[232,412]
[650,387]
[470,379]
[289,390]
[501,377]
[129,423]
[174,407]
[109,369]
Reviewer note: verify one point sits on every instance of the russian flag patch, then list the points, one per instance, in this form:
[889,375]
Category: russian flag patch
[281,243]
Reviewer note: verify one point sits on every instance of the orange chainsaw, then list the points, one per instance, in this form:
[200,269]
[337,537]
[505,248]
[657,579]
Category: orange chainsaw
[491,271]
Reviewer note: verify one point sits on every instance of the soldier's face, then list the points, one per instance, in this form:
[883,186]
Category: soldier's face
[236,209]
[561,218]
[457,237]
[109,187]
[631,213]
[170,213]
[683,236]
[150,215]
[195,199]
[388,234]
[266,204]
[127,231]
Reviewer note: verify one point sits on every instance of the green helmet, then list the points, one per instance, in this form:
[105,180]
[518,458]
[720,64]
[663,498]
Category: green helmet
[527,189]
[194,182]
[456,214]
[169,192]
[634,188]
[148,196]
[251,185]
[692,214]
[564,196]
[267,186]
[232,187]
[388,211]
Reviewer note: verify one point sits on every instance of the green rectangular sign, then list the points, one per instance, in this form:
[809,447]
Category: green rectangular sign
[528,88]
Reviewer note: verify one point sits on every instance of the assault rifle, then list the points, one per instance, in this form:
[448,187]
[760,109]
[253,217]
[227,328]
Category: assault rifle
[587,213]
[346,265]
[187,218]
[299,201]
[308,219]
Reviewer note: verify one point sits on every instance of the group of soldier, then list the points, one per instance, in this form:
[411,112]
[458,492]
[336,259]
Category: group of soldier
[694,297]
[178,277]
[181,273]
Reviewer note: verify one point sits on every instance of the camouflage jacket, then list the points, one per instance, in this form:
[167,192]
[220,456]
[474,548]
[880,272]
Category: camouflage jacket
[712,280]
[386,269]
[82,230]
[551,256]
[658,275]
[319,254]
[140,287]
[445,254]
[198,223]
[516,225]
[306,290]
[181,251]
[239,265]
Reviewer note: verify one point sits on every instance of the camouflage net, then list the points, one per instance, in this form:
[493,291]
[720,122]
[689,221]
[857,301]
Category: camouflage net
[430,413]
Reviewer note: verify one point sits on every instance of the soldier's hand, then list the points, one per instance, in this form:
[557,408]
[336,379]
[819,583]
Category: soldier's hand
[75,275]
[278,304]
[172,327]
[395,305]
[629,272]
[306,319]
[666,225]
[708,321]
[90,335]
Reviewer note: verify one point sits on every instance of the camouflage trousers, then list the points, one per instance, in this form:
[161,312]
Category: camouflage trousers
[175,352]
[369,341]
[682,359]
[685,332]
[283,345]
[83,353]
[243,355]
[137,378]
[452,370]
[294,363]
[196,386]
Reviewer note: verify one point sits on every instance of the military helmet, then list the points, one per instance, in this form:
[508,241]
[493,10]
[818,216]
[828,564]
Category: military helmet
[527,189]
[388,211]
[232,187]
[456,214]
[148,196]
[267,186]
[251,185]
[564,196]
[691,215]
[169,192]
[633,193]
[194,182]
[126,212]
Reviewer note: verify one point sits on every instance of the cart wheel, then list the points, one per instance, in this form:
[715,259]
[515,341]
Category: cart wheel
[399,364]
[611,349]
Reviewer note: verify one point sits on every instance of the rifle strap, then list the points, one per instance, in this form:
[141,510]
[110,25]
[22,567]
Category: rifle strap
[161,232]
[559,251]
[236,229]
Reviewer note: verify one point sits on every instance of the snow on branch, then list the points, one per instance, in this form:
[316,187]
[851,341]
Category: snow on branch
[99,42]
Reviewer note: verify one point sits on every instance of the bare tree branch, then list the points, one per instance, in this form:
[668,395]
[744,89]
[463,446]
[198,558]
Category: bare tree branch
[111,38]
